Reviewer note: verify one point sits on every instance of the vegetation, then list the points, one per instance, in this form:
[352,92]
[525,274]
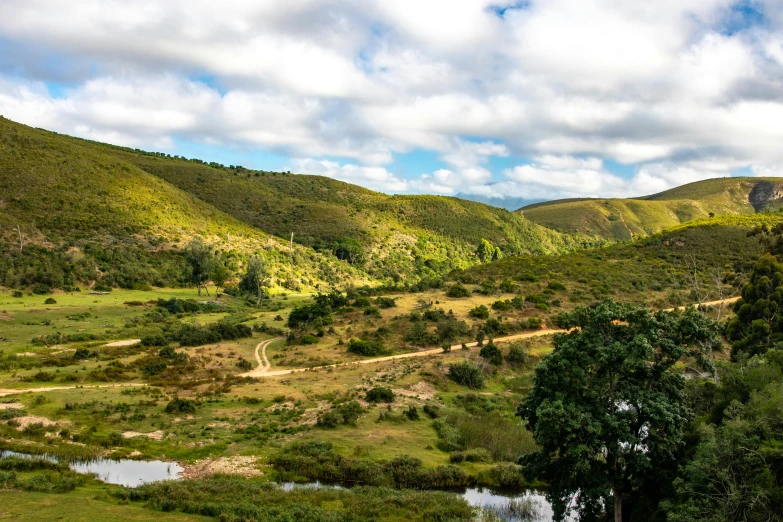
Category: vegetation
[628,218]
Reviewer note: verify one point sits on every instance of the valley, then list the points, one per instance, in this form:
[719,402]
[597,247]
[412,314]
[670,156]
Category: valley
[156,309]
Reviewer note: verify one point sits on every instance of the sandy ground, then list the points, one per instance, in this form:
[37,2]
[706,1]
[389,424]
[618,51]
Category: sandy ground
[236,465]
[126,342]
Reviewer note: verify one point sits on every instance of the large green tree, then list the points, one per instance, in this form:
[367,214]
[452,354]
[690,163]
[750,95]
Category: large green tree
[608,406]
[758,325]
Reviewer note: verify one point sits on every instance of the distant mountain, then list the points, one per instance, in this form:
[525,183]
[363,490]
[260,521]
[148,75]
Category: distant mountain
[626,218]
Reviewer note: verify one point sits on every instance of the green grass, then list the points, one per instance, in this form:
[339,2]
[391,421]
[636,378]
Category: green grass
[626,218]
[84,504]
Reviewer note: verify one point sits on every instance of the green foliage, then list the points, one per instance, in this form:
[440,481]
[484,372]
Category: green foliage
[231,497]
[367,348]
[380,394]
[316,462]
[457,291]
[178,405]
[479,312]
[611,384]
[758,325]
[491,354]
[467,374]
[488,437]
[517,354]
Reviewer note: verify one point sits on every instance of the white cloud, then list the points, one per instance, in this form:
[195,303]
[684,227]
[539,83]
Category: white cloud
[376,178]
[569,83]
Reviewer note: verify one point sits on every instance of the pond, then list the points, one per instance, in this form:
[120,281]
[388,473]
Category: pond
[124,472]
[526,506]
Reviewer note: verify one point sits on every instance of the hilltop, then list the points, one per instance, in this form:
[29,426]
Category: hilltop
[625,218]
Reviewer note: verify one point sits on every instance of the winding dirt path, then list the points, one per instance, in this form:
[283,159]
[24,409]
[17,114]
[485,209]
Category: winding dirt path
[263,362]
[263,369]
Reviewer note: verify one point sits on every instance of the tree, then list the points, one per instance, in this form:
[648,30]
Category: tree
[219,275]
[757,326]
[608,407]
[255,278]
[200,259]
[486,251]
[492,354]
[348,249]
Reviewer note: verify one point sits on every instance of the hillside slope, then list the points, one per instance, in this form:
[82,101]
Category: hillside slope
[69,198]
[404,238]
[626,218]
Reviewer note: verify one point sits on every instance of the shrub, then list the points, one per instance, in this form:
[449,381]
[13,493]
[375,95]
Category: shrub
[479,312]
[380,394]
[17,293]
[244,364]
[81,354]
[50,301]
[309,339]
[367,348]
[457,291]
[467,374]
[155,367]
[517,354]
[181,406]
[386,302]
[412,413]
[492,354]
[532,323]
[502,306]
[432,410]
[555,286]
[154,340]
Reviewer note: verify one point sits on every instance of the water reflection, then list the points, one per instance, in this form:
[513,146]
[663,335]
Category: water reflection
[124,472]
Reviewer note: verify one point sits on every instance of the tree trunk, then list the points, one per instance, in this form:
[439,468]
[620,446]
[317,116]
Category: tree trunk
[618,506]
[198,285]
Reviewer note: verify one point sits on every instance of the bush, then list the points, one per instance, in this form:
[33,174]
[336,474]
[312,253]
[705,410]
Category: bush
[50,301]
[412,413]
[380,394]
[467,374]
[457,291]
[367,348]
[432,410]
[517,354]
[532,323]
[154,340]
[181,406]
[555,286]
[492,354]
[386,302]
[309,339]
[17,293]
[479,312]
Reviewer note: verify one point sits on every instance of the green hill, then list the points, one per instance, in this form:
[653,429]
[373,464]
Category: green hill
[403,236]
[68,193]
[626,218]
[87,214]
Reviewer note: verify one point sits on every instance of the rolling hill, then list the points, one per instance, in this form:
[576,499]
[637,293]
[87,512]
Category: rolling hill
[625,218]
[68,195]
[85,214]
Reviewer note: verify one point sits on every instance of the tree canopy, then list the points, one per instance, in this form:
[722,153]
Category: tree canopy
[608,406]
[757,327]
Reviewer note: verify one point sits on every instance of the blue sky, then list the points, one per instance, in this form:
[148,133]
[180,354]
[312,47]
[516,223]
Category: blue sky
[502,100]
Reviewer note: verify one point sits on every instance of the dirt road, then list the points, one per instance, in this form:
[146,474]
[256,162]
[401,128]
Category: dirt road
[263,369]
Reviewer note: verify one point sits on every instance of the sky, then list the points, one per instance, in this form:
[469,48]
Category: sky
[507,100]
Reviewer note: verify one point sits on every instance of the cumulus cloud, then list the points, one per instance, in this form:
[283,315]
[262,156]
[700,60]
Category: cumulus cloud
[680,90]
